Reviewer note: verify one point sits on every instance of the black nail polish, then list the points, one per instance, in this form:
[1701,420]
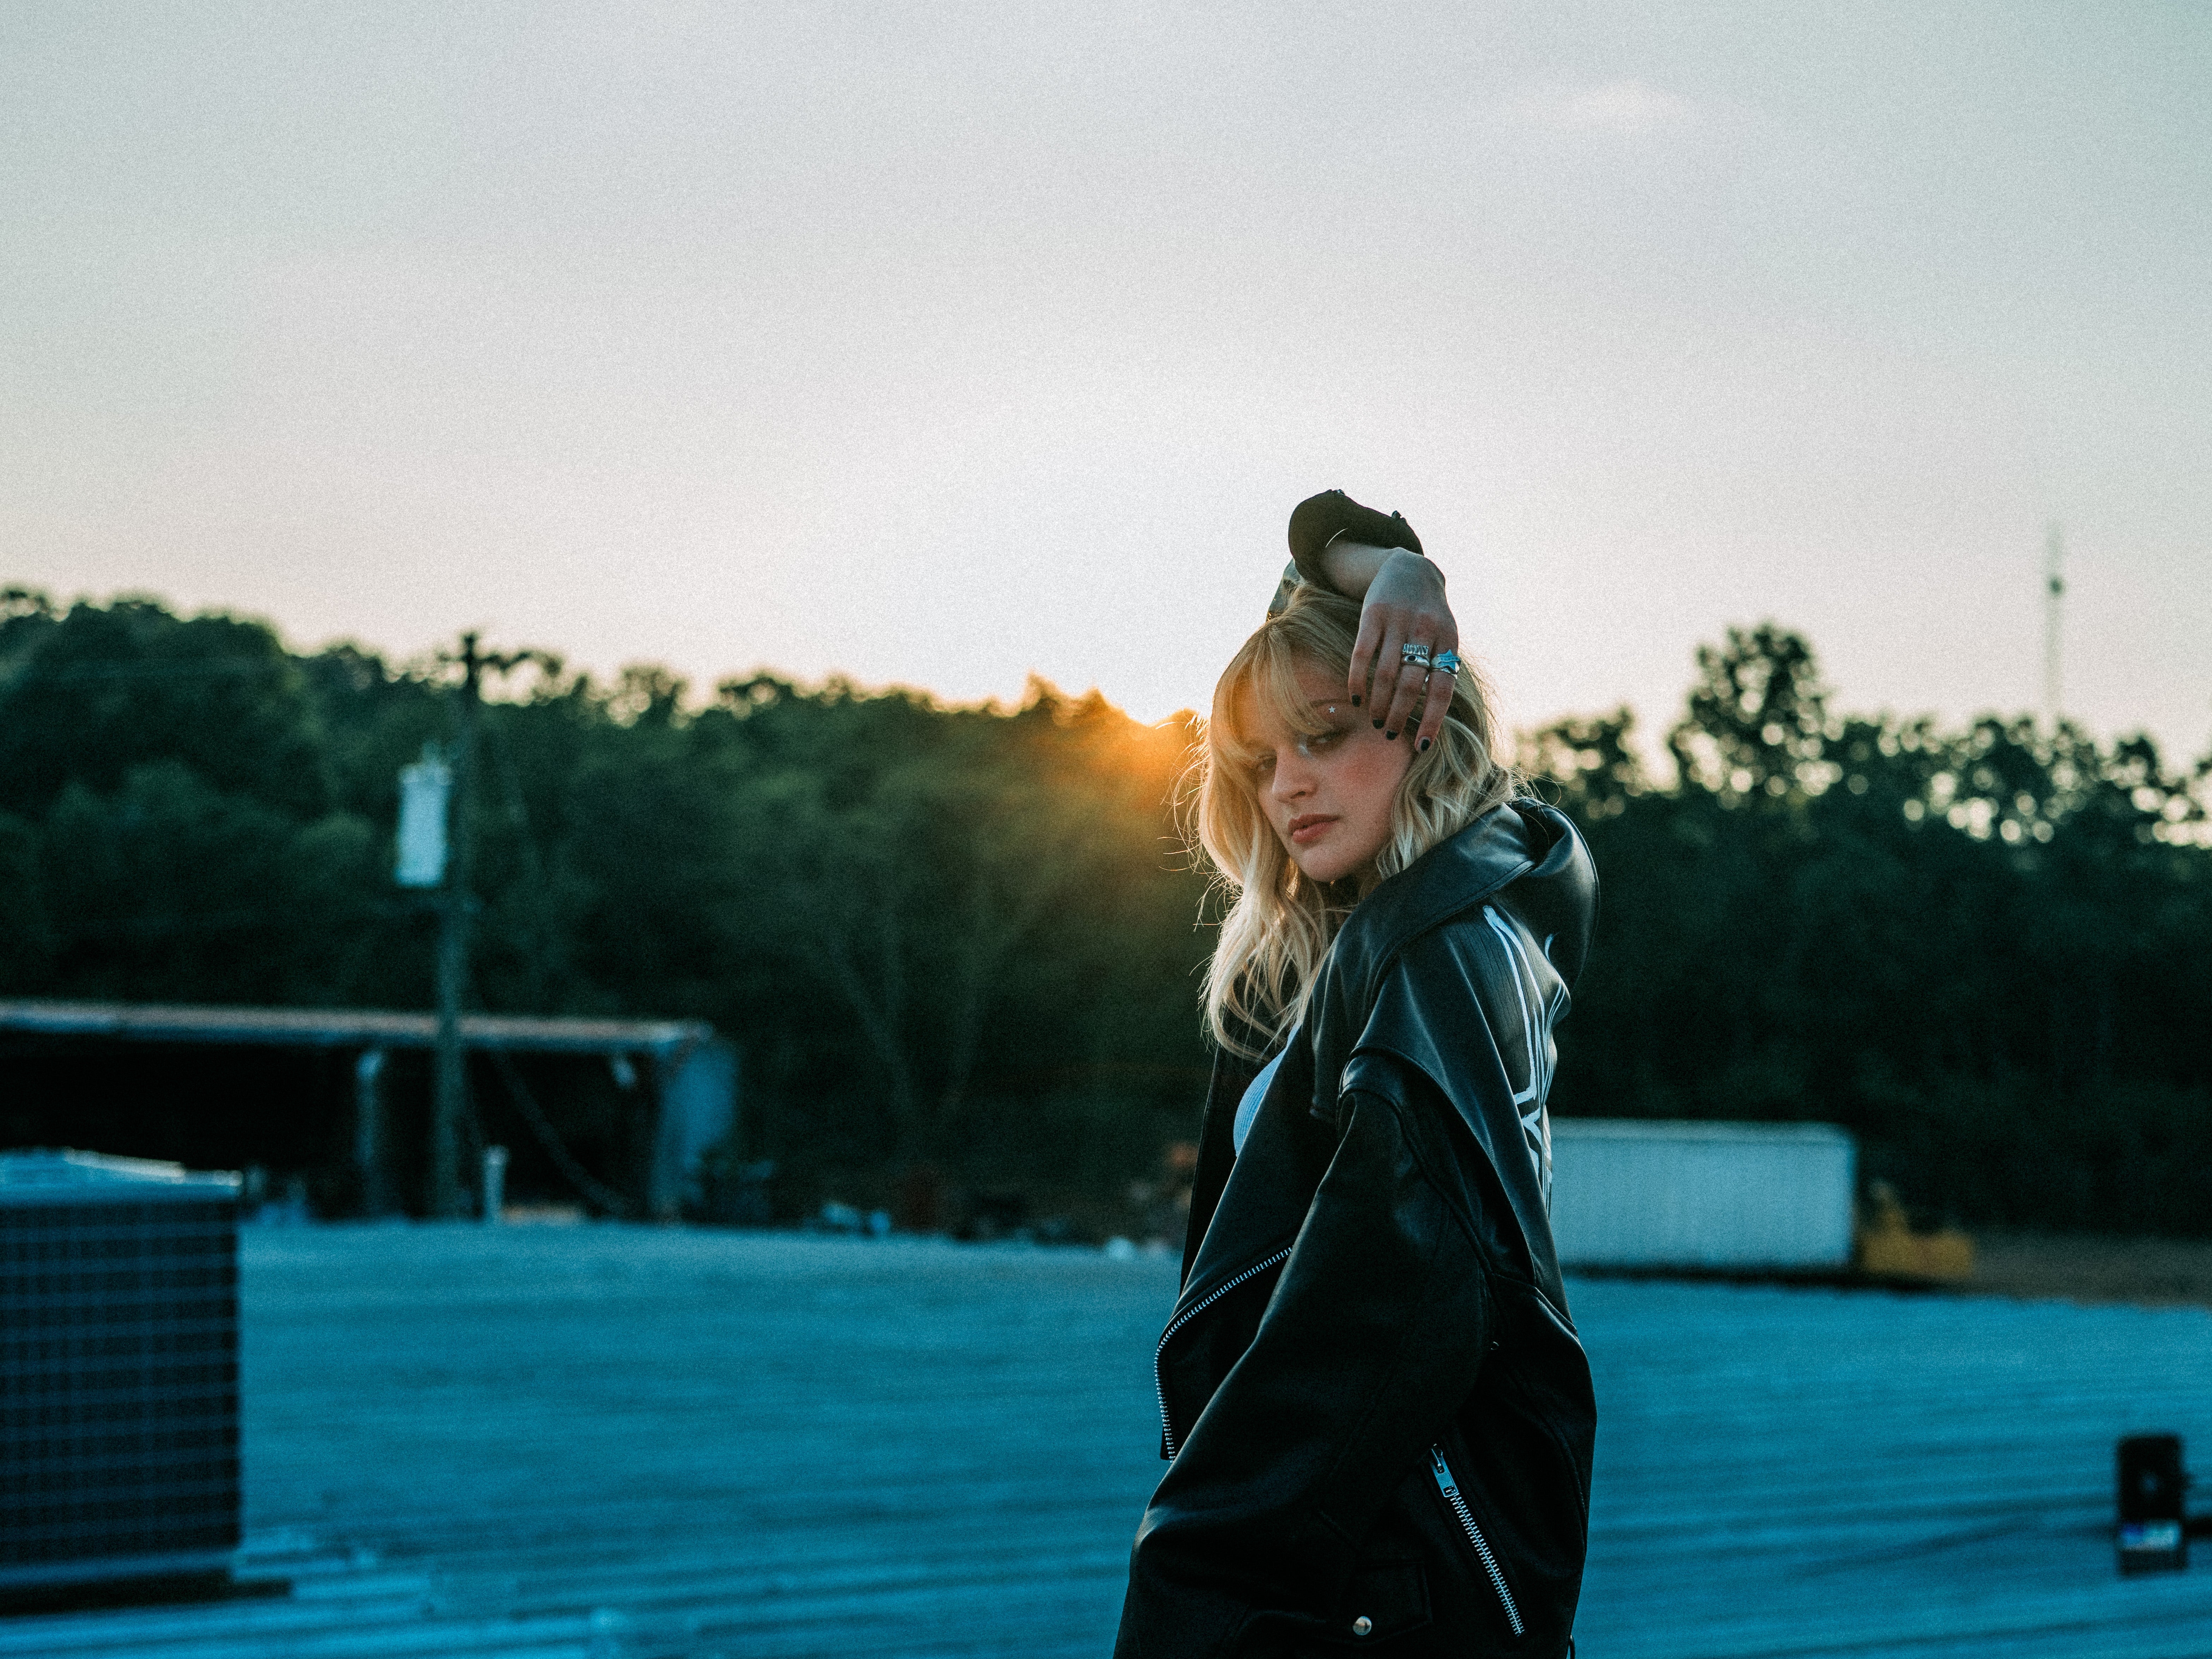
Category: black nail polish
[1425,745]
[1378,725]
[1389,737]
[1355,703]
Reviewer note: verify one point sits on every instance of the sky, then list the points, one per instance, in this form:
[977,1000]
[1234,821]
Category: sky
[939,344]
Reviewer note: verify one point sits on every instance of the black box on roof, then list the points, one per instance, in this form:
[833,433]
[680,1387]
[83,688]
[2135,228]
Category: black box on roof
[2154,1533]
[118,1371]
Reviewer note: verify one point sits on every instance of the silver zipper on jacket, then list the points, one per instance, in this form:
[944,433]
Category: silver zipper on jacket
[1449,1487]
[1159,1381]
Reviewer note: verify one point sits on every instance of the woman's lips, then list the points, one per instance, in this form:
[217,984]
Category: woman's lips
[1310,827]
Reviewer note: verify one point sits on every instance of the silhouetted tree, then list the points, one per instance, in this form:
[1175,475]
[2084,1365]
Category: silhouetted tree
[969,935]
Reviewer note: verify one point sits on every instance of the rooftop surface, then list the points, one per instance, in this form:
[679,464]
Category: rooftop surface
[621,1443]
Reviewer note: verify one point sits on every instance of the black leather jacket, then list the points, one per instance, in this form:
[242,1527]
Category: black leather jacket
[1379,1417]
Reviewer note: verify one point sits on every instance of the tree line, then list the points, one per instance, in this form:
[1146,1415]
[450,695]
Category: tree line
[965,940]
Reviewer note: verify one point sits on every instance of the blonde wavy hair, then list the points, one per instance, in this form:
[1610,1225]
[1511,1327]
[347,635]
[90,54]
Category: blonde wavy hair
[1280,924]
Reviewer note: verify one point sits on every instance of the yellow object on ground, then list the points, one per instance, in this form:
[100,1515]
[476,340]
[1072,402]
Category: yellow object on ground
[1889,1249]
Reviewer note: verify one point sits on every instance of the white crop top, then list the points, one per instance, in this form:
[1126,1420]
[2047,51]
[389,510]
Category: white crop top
[1249,1108]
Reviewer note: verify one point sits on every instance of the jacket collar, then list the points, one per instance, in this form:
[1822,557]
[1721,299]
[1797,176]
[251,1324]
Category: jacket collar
[1452,876]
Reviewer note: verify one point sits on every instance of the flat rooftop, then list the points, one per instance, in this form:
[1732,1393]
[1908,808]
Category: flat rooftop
[625,1442]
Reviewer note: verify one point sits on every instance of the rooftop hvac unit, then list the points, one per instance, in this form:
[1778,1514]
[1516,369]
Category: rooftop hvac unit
[118,1371]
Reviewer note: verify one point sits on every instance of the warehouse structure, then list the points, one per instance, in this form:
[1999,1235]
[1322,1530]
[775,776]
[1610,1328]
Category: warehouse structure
[1659,1195]
[682,1076]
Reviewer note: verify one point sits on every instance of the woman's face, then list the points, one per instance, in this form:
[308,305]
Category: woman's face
[1327,797]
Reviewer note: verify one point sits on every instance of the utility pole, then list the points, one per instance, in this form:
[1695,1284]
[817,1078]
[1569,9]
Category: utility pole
[2054,590]
[450,1097]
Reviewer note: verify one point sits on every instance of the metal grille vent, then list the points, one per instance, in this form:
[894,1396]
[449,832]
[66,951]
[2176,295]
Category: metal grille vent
[119,1370]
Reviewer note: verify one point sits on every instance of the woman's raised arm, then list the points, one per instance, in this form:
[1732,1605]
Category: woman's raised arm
[1377,559]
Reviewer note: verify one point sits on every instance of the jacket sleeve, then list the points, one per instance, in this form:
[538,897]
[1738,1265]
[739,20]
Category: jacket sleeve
[1369,1343]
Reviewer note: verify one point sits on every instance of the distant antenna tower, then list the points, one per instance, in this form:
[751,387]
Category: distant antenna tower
[2054,592]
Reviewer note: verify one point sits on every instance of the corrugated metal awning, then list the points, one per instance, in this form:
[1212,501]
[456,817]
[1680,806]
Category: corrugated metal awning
[347,1027]
[47,1177]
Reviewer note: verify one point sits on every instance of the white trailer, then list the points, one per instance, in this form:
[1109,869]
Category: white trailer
[1633,1194]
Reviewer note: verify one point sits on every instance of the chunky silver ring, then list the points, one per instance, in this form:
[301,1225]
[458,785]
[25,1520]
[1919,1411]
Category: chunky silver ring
[1447,662]
[1413,655]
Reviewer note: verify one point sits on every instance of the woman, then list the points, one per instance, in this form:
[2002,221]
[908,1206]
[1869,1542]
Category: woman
[1378,1417]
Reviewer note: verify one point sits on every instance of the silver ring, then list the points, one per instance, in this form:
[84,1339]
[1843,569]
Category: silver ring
[1413,655]
[1447,662]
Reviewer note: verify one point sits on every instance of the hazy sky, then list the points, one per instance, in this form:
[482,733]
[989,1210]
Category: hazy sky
[937,344]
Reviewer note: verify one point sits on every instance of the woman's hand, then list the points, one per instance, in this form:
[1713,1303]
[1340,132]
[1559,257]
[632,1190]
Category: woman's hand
[1402,602]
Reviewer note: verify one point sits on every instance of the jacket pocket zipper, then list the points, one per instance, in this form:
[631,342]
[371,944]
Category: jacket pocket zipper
[1159,1379]
[1453,1496]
